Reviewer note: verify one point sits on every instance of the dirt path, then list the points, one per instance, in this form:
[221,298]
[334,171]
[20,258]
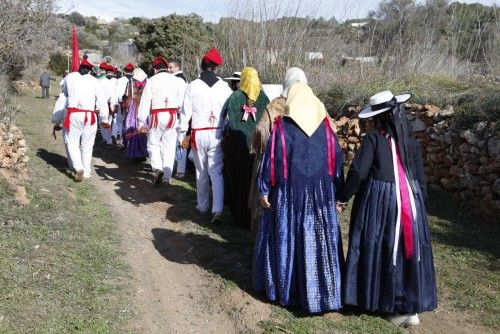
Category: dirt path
[173,294]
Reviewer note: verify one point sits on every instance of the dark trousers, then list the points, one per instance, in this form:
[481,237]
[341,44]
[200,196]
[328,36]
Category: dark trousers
[45,92]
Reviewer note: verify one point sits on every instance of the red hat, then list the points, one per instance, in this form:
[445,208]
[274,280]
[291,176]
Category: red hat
[213,56]
[104,66]
[85,63]
[160,60]
[111,68]
[129,67]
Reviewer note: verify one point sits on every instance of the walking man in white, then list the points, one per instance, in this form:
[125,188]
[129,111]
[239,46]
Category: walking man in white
[108,87]
[174,67]
[160,103]
[84,98]
[203,103]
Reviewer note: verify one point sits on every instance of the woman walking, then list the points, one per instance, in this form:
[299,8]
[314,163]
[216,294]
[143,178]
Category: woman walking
[389,263]
[298,249]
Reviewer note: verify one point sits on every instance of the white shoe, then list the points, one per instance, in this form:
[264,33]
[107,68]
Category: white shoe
[180,176]
[404,319]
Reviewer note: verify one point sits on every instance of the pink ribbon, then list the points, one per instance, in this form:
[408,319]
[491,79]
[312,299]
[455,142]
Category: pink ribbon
[247,110]
[278,123]
[139,84]
[405,209]
[330,142]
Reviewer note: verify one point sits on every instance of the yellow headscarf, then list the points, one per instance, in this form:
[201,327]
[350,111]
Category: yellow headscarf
[304,108]
[250,83]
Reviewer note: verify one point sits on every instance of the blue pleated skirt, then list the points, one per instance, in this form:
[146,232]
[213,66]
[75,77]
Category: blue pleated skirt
[298,250]
[371,281]
[136,145]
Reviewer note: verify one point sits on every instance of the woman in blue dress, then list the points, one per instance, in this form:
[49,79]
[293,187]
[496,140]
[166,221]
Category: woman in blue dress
[298,251]
[389,265]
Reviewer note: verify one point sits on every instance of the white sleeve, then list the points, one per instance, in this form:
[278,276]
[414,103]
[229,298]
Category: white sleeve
[59,109]
[186,111]
[145,104]
[101,103]
[113,100]
[182,91]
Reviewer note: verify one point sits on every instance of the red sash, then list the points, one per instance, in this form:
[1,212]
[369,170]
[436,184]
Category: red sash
[154,116]
[72,110]
[193,136]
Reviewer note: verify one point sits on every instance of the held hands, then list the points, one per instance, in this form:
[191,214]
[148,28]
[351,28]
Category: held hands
[105,125]
[264,201]
[143,129]
[340,207]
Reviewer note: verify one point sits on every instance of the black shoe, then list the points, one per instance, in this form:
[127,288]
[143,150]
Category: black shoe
[158,178]
[217,218]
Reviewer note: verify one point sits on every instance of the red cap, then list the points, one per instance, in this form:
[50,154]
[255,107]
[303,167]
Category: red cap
[86,64]
[111,68]
[129,67]
[160,60]
[104,66]
[213,56]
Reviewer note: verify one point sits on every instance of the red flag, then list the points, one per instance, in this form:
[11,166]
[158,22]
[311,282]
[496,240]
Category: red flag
[75,58]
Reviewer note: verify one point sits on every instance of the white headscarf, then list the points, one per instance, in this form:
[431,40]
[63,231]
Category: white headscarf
[292,76]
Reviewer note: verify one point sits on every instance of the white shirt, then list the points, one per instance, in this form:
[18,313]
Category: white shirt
[203,104]
[109,89]
[162,91]
[121,87]
[84,92]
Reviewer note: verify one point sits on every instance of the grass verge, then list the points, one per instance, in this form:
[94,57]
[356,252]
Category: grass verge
[60,269]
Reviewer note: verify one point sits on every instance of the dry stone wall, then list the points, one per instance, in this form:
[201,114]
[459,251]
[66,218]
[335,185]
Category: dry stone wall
[462,161]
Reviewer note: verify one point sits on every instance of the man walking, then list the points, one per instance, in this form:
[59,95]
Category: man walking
[174,67]
[84,98]
[160,102]
[203,103]
[108,86]
[45,79]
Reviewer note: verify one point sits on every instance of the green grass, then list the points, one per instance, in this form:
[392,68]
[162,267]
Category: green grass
[473,100]
[61,269]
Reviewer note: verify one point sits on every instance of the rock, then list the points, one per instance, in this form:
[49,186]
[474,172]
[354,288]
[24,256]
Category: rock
[453,126]
[494,147]
[25,159]
[469,136]
[418,125]
[480,126]
[445,113]
[431,110]
[484,160]
[450,137]
[441,125]
[472,168]
[455,171]
[496,187]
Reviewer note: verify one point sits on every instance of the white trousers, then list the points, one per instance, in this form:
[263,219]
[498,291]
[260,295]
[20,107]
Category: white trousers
[106,133]
[162,142]
[208,160]
[79,141]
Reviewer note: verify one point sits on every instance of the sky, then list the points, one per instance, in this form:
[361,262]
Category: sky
[212,10]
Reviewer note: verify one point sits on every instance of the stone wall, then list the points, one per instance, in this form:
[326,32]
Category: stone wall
[12,148]
[462,161]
